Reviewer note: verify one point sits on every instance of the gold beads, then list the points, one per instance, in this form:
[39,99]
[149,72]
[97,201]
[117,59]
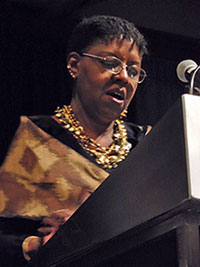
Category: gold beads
[108,157]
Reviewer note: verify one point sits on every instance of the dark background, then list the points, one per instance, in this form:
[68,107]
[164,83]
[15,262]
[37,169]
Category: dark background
[34,34]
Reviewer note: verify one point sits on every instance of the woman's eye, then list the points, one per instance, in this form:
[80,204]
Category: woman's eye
[110,63]
[133,72]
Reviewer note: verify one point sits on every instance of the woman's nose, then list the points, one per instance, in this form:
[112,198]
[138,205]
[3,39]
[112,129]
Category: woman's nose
[123,74]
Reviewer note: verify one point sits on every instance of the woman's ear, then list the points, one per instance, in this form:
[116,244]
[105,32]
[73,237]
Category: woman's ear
[73,64]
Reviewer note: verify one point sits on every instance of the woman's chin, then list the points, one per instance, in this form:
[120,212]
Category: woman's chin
[110,117]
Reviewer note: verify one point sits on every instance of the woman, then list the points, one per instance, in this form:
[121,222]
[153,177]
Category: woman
[55,163]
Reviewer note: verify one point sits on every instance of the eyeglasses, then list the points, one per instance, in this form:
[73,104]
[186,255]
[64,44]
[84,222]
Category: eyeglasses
[115,66]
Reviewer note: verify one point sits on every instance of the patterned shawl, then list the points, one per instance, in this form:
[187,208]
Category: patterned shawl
[41,175]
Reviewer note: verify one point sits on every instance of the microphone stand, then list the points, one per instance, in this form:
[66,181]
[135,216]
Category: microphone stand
[192,82]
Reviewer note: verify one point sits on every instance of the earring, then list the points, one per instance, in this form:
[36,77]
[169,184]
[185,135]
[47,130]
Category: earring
[71,72]
[123,114]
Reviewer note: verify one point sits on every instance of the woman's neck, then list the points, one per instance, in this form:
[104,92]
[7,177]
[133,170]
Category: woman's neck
[100,131]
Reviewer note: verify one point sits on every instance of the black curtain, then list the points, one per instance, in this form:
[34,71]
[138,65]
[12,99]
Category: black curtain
[33,77]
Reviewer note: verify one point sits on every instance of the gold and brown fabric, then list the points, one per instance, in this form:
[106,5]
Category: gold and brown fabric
[41,174]
[45,170]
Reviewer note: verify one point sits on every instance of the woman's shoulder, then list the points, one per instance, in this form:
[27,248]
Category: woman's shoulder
[43,121]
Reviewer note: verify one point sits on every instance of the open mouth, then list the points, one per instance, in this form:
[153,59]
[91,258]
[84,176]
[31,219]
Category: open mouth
[119,95]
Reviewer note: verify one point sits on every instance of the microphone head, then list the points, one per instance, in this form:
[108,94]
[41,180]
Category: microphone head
[185,66]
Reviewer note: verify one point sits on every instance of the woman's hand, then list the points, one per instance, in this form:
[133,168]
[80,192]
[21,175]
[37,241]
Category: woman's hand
[51,224]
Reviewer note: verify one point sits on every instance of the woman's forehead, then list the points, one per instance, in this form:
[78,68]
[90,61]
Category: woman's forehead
[118,46]
[115,43]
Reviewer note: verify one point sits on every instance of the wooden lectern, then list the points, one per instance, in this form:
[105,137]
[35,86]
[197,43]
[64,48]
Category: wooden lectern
[147,212]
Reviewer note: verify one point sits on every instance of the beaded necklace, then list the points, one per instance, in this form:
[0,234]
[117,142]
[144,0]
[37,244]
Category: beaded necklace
[108,157]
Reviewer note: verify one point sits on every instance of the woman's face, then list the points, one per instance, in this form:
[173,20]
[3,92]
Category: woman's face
[101,94]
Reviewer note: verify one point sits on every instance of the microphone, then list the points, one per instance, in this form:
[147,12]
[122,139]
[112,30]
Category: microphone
[185,70]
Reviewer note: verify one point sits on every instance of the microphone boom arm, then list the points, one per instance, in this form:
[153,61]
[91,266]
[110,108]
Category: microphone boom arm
[192,81]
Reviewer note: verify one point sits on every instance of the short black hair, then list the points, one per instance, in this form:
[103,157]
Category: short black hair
[105,29]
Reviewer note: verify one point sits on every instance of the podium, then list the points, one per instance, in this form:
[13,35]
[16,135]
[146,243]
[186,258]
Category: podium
[147,212]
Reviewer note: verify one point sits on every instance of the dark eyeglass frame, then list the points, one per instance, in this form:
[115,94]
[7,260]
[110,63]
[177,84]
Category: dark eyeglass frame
[140,73]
